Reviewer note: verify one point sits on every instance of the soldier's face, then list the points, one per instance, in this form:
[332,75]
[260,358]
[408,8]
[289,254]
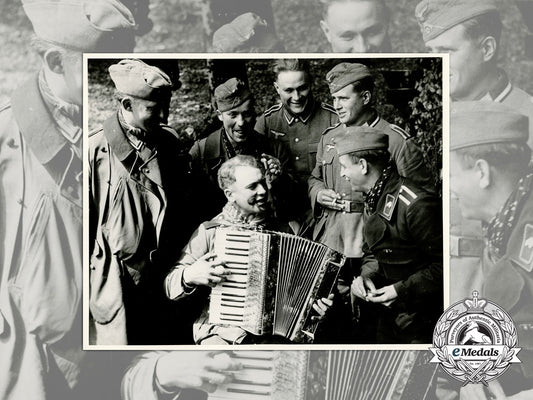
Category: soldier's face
[349,105]
[356,27]
[465,188]
[466,61]
[239,121]
[149,114]
[294,90]
[353,173]
[249,191]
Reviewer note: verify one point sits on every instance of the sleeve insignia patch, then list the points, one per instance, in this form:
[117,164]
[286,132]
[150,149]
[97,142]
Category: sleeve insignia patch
[526,250]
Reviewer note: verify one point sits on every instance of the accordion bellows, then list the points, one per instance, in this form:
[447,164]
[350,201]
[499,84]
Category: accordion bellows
[274,280]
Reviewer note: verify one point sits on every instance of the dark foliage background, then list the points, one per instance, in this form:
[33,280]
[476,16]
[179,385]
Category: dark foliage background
[397,81]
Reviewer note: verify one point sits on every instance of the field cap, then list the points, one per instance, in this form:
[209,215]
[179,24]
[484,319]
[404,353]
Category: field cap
[437,16]
[138,79]
[231,94]
[476,123]
[341,75]
[361,138]
[83,25]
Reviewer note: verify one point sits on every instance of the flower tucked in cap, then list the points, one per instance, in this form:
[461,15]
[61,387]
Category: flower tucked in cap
[246,33]
[341,75]
[138,79]
[231,94]
[361,138]
[104,25]
[476,123]
[437,16]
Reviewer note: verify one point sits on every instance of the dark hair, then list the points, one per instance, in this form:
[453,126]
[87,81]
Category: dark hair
[290,64]
[505,157]
[226,173]
[377,158]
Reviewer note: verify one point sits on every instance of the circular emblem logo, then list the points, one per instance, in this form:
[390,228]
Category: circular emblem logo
[475,340]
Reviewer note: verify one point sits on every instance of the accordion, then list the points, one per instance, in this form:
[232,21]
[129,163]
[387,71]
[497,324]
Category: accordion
[273,281]
[329,375]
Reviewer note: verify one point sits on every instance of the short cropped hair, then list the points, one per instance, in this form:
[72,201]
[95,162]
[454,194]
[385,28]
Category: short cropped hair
[291,64]
[327,3]
[226,173]
[378,158]
[504,157]
[41,46]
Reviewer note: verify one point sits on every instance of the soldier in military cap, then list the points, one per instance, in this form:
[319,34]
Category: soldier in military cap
[40,177]
[235,108]
[402,264]
[490,177]
[356,26]
[470,31]
[336,206]
[140,186]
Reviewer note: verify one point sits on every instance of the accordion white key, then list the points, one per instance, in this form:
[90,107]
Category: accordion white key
[273,281]
[329,375]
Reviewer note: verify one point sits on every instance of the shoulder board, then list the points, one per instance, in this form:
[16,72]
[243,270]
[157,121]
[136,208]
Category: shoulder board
[95,131]
[328,107]
[272,109]
[331,128]
[400,131]
[406,195]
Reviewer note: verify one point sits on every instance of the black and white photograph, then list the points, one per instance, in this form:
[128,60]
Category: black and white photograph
[42,265]
[287,207]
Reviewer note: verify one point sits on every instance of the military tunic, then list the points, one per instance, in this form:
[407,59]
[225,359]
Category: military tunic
[209,153]
[138,197]
[340,230]
[301,133]
[466,236]
[509,283]
[403,247]
[40,251]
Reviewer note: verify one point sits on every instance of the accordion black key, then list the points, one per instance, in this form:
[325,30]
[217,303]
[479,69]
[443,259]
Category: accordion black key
[273,280]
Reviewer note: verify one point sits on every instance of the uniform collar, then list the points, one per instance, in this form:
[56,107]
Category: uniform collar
[116,138]
[304,117]
[500,89]
[36,123]
[373,120]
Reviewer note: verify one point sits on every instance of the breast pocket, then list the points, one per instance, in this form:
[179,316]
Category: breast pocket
[374,232]
[328,169]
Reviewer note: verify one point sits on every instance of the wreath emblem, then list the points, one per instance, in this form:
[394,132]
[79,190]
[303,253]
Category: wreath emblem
[475,341]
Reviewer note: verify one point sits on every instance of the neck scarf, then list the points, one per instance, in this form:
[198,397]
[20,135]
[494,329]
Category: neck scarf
[500,227]
[372,197]
[67,116]
[233,215]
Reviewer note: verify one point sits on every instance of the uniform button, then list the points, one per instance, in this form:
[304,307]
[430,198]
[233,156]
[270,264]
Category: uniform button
[297,140]
[323,162]
[344,194]
[297,158]
[388,251]
[12,144]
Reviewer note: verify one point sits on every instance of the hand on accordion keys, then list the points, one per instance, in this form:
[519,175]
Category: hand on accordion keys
[208,270]
[177,370]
